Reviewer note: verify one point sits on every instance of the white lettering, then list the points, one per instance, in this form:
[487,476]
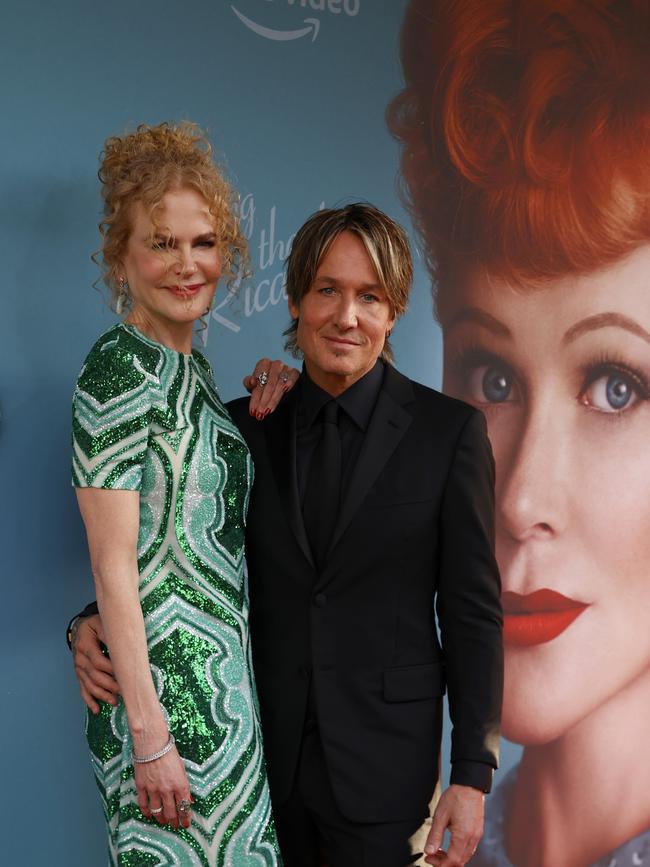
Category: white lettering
[259,305]
[216,315]
[350,7]
[278,291]
[270,249]
[267,293]
[267,251]
[247,215]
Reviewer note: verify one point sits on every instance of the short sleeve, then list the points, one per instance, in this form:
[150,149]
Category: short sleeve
[111,411]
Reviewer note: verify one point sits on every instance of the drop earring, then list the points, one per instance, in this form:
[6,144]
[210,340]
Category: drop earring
[122,297]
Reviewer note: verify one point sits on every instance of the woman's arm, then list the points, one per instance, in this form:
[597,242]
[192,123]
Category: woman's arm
[111,518]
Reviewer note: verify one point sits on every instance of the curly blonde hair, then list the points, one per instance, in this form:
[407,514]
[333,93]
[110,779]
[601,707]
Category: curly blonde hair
[143,166]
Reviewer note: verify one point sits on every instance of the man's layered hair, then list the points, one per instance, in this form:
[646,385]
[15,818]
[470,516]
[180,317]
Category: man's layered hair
[384,240]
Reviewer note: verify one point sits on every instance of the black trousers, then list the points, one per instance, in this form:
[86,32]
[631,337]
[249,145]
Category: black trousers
[312,831]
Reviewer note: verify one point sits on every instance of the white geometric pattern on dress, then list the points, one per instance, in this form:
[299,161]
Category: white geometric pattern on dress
[150,419]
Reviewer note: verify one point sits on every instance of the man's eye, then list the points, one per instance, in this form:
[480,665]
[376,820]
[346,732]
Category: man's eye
[326,290]
[369,297]
[613,391]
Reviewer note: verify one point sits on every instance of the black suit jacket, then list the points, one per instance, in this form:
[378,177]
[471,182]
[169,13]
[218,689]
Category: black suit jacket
[414,537]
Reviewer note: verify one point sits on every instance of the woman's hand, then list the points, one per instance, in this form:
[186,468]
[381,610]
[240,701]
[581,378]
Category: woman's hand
[162,786]
[93,668]
[268,384]
[112,519]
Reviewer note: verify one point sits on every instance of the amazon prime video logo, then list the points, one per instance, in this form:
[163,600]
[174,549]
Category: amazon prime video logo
[309,26]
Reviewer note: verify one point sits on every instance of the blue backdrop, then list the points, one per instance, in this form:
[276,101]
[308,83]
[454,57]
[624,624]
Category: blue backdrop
[293,93]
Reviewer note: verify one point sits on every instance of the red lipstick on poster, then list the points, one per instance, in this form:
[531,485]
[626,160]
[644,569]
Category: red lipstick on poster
[537,617]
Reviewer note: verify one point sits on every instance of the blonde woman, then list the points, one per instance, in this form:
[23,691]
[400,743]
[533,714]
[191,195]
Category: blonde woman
[163,478]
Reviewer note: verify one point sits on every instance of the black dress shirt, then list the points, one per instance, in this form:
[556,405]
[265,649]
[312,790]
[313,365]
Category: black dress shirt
[356,405]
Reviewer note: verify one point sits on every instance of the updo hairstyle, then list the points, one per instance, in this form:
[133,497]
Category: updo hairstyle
[143,166]
[525,127]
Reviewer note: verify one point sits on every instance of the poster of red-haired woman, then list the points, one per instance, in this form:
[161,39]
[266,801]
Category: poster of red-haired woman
[525,134]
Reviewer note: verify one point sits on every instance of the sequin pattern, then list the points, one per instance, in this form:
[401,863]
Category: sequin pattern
[149,419]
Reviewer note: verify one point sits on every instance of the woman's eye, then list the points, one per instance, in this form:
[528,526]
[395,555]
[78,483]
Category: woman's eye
[612,392]
[491,383]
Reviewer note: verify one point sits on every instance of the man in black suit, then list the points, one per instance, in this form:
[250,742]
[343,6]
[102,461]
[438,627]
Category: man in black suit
[372,511]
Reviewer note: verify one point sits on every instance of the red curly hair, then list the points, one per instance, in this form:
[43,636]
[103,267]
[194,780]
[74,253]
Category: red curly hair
[525,127]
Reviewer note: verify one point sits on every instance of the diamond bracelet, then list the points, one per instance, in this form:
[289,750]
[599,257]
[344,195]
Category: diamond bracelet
[142,760]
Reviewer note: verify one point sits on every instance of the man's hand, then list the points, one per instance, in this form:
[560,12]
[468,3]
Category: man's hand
[93,669]
[268,384]
[460,809]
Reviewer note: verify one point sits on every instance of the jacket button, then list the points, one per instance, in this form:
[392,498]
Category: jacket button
[320,599]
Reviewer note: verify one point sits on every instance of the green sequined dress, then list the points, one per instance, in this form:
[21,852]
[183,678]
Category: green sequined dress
[149,419]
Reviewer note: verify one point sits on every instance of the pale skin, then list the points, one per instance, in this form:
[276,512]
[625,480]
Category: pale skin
[344,319]
[562,373]
[172,272]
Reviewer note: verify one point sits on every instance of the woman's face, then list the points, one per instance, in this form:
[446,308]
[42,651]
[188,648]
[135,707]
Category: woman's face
[563,376]
[172,276]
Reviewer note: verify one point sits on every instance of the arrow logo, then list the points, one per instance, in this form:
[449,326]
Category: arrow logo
[313,26]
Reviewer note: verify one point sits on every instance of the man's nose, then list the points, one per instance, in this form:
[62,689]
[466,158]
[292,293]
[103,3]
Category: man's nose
[346,313]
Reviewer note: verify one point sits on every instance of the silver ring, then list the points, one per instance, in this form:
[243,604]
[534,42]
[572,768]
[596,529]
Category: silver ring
[184,806]
[284,376]
[156,810]
[262,378]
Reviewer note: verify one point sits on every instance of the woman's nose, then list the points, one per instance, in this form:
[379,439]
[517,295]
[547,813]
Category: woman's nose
[185,263]
[532,479]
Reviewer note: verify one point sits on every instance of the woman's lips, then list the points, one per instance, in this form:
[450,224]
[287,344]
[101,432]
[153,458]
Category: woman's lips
[537,617]
[185,291]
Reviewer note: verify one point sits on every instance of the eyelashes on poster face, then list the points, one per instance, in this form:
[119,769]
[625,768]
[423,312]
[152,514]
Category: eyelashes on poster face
[608,385]
[612,386]
[484,377]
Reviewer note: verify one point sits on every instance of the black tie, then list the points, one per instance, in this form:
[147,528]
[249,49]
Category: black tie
[324,486]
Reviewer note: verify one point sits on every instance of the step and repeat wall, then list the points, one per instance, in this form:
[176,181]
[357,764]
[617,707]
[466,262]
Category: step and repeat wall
[507,138]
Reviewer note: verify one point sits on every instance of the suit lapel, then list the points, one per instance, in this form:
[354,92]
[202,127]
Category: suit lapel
[388,424]
[280,430]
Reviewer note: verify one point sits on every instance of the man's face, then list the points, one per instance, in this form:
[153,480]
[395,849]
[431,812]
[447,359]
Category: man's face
[344,317]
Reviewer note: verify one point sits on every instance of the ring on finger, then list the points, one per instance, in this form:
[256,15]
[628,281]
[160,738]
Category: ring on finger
[284,376]
[184,806]
[156,810]
[262,378]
